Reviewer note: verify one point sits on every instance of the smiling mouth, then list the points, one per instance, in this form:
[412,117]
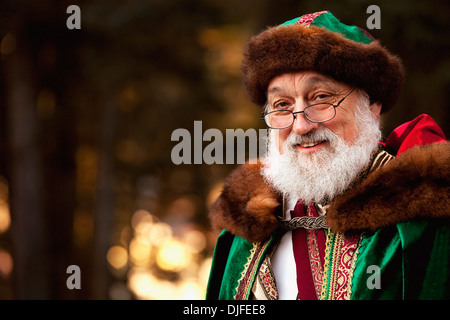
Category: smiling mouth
[310,144]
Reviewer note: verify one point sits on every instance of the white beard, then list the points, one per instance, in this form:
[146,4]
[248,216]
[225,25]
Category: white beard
[322,175]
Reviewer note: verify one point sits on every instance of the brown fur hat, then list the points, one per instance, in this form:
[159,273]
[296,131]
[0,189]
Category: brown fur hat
[349,55]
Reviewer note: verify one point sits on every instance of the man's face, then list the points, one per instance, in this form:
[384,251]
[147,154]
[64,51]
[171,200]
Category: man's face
[317,161]
[295,91]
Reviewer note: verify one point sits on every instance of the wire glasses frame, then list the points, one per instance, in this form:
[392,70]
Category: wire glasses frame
[312,108]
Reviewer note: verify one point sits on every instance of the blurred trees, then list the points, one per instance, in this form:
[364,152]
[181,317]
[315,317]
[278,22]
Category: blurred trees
[86,118]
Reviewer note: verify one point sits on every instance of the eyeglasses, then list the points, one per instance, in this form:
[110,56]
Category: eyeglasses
[316,113]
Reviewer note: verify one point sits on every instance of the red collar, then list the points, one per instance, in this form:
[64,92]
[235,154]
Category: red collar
[422,130]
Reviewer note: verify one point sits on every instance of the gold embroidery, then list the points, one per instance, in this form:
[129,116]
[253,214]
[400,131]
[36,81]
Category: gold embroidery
[353,263]
[251,268]
[246,266]
[326,267]
[340,259]
[267,280]
[314,259]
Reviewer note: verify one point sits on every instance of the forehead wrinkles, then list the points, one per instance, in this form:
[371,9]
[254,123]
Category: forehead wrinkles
[317,81]
[298,83]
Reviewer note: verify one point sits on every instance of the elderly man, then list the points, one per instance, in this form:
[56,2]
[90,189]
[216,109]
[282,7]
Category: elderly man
[332,212]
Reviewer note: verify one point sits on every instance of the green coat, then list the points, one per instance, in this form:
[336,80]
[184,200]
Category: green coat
[413,260]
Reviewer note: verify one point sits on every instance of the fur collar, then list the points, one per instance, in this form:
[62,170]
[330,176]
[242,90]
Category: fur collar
[414,185]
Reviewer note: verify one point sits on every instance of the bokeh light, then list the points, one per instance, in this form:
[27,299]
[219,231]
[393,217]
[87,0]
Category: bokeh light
[6,263]
[161,263]
[172,256]
[140,251]
[117,257]
[5,217]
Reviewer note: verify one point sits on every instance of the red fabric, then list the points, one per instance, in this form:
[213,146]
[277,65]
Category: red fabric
[420,131]
[320,236]
[305,282]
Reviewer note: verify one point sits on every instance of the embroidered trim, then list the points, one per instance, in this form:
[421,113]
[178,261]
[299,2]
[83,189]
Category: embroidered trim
[307,19]
[341,254]
[349,249]
[244,272]
[314,260]
[267,280]
[353,263]
[326,267]
[251,268]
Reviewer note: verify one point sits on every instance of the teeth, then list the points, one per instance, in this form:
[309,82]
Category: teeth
[309,144]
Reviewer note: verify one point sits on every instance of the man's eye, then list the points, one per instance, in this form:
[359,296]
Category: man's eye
[322,96]
[281,105]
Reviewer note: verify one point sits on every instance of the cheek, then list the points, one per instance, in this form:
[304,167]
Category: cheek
[351,134]
[344,127]
[350,131]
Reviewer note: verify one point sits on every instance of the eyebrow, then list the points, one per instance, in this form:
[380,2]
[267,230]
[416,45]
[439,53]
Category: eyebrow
[310,82]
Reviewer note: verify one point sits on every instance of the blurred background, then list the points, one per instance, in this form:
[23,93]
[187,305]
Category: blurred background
[86,117]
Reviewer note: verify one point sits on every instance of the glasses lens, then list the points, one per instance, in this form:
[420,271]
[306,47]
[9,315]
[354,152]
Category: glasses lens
[320,112]
[279,119]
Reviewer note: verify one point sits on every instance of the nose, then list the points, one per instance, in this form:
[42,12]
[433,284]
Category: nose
[302,125]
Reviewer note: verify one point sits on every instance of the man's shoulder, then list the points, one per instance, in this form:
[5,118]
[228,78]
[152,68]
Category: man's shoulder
[413,185]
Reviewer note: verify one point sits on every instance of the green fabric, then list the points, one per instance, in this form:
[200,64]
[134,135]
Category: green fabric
[239,252]
[220,257]
[290,22]
[414,261]
[331,23]
[229,262]
[382,249]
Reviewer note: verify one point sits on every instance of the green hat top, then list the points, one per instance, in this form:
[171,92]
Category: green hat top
[327,20]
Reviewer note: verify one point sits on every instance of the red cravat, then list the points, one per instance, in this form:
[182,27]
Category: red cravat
[305,281]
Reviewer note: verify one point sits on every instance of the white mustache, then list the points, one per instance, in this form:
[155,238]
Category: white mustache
[312,137]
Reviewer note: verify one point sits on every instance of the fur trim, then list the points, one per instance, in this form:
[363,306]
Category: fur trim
[294,48]
[414,185]
[246,204]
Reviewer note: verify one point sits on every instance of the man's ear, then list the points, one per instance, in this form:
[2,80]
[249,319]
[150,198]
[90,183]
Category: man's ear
[375,107]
